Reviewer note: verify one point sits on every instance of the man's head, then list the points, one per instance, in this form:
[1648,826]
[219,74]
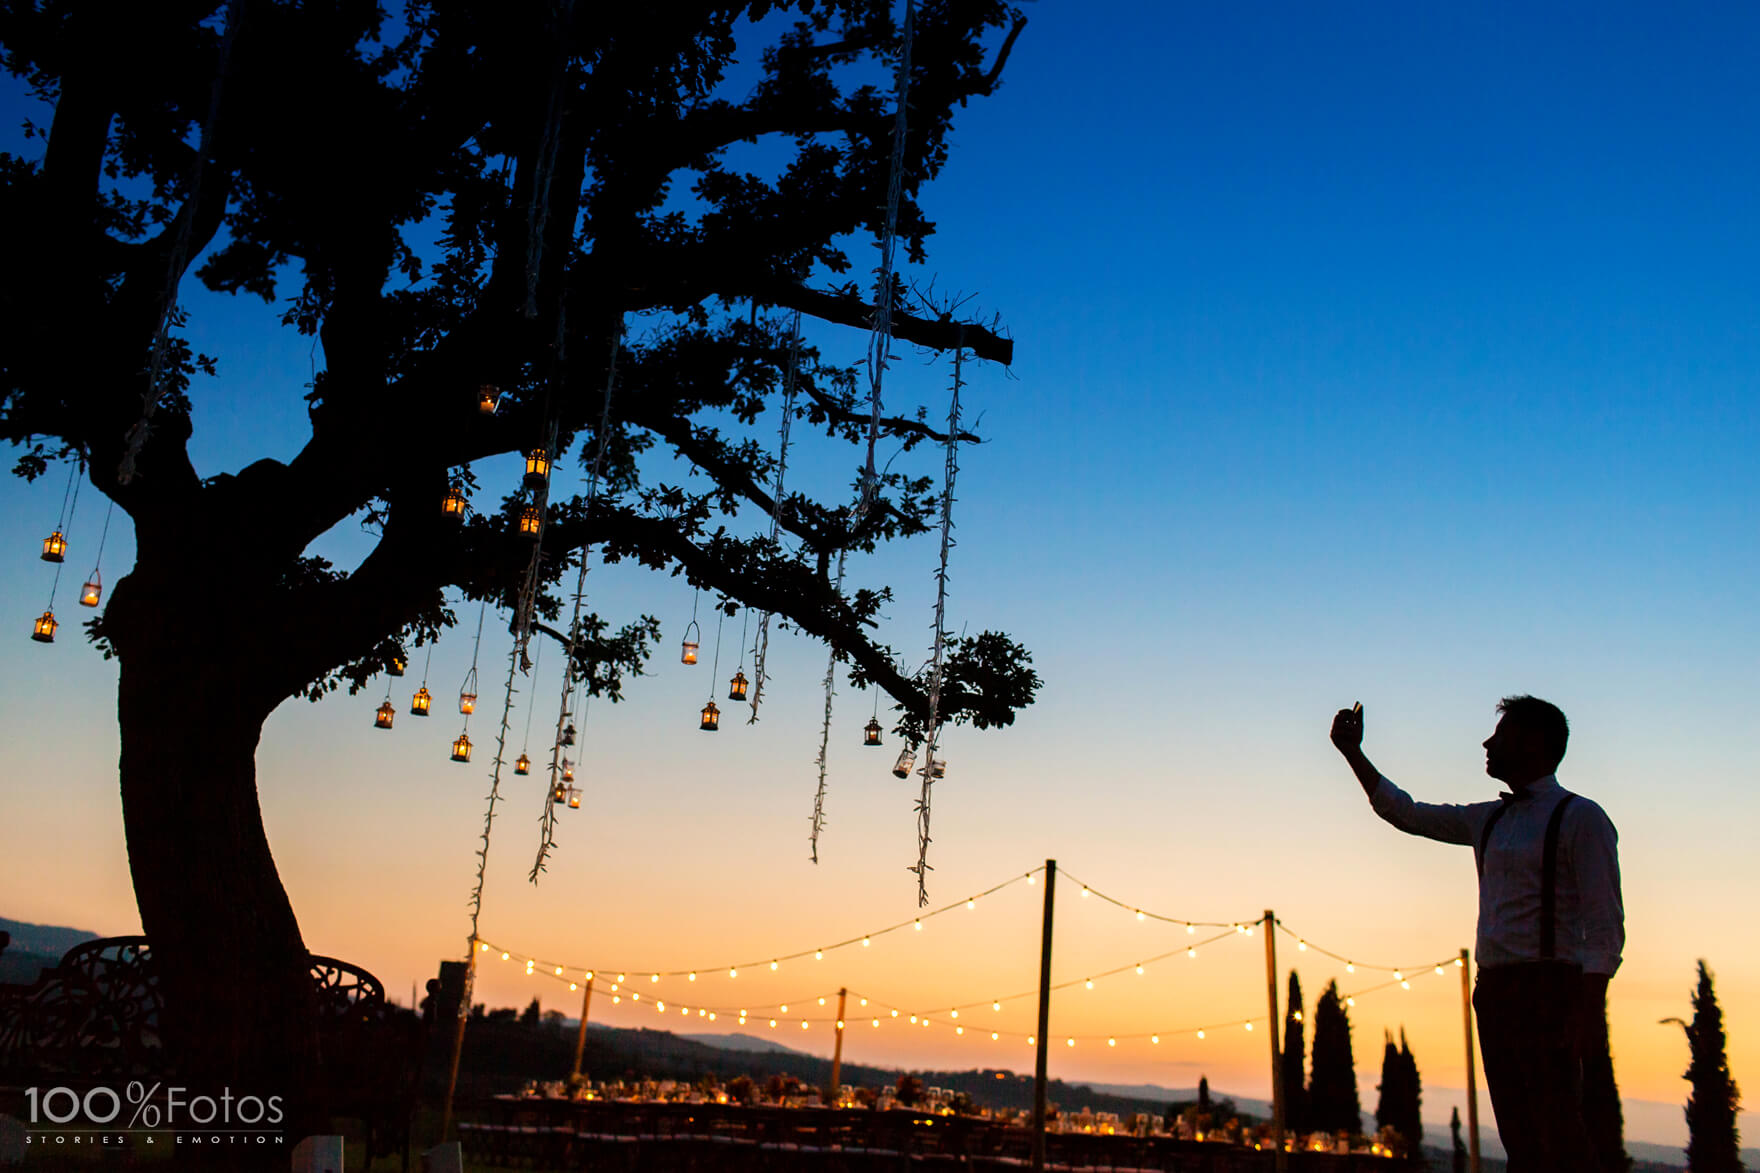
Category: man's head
[1529,740]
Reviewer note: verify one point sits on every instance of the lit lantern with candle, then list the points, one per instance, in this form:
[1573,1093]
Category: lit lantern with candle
[385,714]
[523,765]
[92,591]
[574,798]
[467,703]
[871,732]
[687,652]
[537,469]
[559,793]
[711,718]
[488,395]
[396,665]
[907,758]
[54,547]
[736,688]
[530,521]
[567,770]
[452,505]
[461,749]
[44,630]
[418,704]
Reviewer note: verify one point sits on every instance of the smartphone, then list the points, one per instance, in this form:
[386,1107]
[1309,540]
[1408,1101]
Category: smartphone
[1357,709]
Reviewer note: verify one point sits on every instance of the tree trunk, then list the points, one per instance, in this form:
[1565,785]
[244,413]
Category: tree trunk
[240,1012]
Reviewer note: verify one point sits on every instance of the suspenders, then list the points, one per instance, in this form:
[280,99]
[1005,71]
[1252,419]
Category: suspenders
[1548,872]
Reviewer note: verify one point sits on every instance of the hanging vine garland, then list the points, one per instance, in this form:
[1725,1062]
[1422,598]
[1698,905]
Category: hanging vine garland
[879,354]
[547,820]
[761,643]
[931,768]
[494,795]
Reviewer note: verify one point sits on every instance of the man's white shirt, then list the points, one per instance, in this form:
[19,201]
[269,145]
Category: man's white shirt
[1590,916]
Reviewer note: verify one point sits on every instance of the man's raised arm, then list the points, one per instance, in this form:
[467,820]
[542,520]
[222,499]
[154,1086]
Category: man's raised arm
[1443,822]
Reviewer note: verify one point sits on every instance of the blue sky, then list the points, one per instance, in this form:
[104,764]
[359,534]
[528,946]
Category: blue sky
[1383,352]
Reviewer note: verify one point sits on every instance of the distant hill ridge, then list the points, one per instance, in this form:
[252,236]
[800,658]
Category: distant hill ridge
[35,948]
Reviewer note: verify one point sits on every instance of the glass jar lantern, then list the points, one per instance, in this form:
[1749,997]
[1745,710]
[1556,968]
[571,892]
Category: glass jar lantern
[907,758]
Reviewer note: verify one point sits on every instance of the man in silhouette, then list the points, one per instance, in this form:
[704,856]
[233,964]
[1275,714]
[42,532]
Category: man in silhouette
[1551,930]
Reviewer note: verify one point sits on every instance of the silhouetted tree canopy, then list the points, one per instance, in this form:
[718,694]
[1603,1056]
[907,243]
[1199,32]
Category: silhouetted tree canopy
[1292,1059]
[1713,1142]
[1333,1105]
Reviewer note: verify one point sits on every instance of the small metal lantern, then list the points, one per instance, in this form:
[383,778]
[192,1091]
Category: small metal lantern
[44,631]
[488,395]
[871,732]
[907,758]
[383,719]
[523,765]
[537,469]
[396,665]
[54,547]
[452,505]
[711,718]
[736,688]
[530,521]
[418,704]
[939,770]
[461,749]
[568,734]
[574,798]
[92,591]
[558,793]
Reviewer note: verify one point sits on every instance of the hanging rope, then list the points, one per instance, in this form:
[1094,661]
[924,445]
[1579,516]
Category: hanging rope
[469,687]
[526,745]
[547,820]
[761,646]
[64,525]
[136,436]
[938,664]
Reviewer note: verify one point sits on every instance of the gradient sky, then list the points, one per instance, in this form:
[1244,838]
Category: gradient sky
[1392,353]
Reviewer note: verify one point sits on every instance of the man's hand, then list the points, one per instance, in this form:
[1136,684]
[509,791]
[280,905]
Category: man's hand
[1347,730]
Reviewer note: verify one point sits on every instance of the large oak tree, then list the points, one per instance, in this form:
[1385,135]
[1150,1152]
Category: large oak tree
[449,196]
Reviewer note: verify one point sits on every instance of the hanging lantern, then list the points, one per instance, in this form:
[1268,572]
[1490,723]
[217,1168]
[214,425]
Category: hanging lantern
[523,765]
[487,397]
[537,468]
[558,793]
[574,798]
[871,732]
[530,521]
[386,713]
[396,665]
[467,703]
[568,734]
[419,703]
[54,547]
[92,591]
[567,770]
[711,718]
[736,688]
[907,757]
[44,631]
[939,770]
[688,651]
[461,749]
[452,505]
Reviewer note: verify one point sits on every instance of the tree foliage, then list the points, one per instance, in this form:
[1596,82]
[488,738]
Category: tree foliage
[1292,1059]
[1713,1142]
[1333,1105]
[1399,1105]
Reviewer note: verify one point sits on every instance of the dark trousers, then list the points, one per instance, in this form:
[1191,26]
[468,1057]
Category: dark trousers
[1530,1032]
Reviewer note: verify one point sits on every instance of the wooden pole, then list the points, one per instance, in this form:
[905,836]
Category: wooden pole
[1472,1081]
[464,1010]
[580,1036]
[1044,1020]
[1282,1159]
[837,1054]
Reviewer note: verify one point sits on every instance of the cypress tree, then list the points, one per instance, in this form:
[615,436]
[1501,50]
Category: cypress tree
[1460,1146]
[1387,1103]
[1295,1092]
[1203,1094]
[1410,1121]
[1713,1145]
[1333,1105]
